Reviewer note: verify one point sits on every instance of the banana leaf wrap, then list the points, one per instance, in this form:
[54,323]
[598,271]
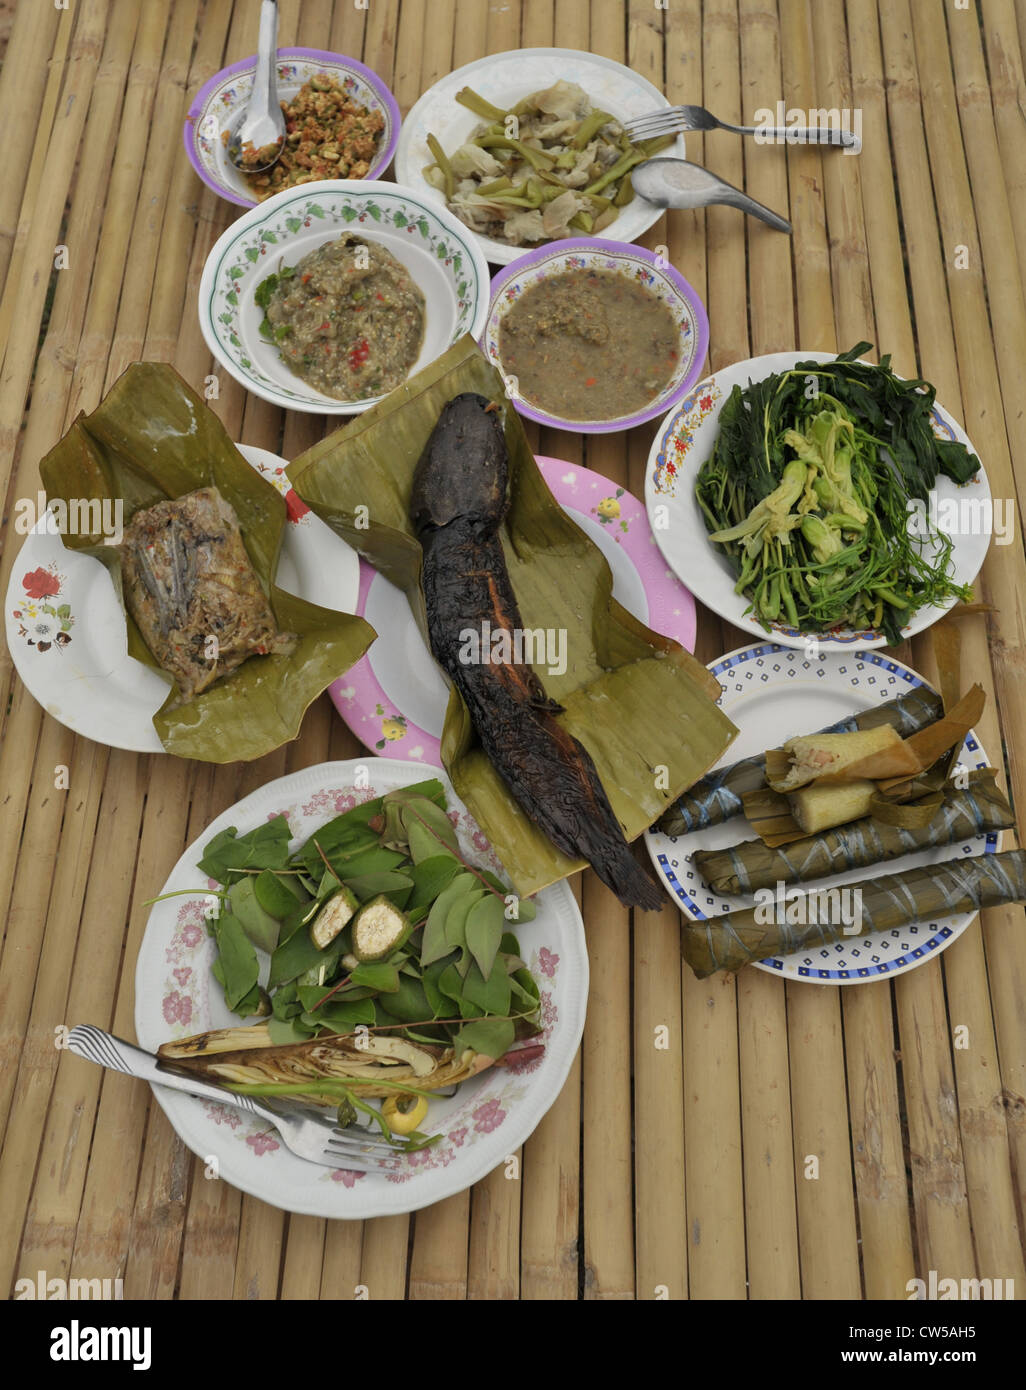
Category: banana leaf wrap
[641,705]
[152,438]
[964,812]
[891,900]
[717,797]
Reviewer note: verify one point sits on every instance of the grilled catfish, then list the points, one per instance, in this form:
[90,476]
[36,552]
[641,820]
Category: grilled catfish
[193,592]
[457,507]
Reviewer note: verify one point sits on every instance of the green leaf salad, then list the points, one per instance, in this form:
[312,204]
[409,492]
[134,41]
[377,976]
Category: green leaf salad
[810,490]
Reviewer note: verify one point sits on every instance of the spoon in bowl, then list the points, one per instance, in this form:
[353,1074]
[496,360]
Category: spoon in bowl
[257,140]
[677,183]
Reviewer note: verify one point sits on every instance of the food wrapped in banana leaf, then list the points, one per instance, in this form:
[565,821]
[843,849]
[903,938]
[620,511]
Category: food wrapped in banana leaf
[154,446]
[193,592]
[975,809]
[631,699]
[813,919]
[370,1064]
[717,796]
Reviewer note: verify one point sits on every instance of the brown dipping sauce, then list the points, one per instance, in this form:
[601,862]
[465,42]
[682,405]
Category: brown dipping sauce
[589,345]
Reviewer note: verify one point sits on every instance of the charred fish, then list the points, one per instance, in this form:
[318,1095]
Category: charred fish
[458,504]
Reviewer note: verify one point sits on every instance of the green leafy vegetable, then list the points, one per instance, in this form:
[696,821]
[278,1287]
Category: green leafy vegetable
[810,488]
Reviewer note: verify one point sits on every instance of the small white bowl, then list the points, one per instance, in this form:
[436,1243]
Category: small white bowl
[440,253]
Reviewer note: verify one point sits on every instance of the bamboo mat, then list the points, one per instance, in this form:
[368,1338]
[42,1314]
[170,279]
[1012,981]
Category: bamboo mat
[679,1172]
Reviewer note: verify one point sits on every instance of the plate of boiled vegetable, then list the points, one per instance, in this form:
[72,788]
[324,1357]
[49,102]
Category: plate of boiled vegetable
[819,499]
[528,147]
[345,937]
[851,833]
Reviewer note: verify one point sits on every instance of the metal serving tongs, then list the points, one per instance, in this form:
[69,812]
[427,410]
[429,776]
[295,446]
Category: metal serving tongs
[677,183]
[310,1135]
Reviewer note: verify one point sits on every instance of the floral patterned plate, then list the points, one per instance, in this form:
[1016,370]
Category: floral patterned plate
[224,97]
[394,698]
[66,628]
[685,441]
[634,263]
[440,253]
[482,1125]
[772,693]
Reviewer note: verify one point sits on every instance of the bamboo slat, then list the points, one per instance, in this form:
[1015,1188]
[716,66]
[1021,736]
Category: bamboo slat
[713,1199]
[23,83]
[438,1263]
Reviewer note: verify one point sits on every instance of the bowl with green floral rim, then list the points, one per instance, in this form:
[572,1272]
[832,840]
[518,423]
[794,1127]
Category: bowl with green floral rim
[440,254]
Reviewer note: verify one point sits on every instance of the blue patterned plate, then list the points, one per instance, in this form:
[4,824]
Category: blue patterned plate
[773,693]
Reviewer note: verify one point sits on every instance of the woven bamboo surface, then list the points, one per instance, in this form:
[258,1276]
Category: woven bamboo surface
[658,1173]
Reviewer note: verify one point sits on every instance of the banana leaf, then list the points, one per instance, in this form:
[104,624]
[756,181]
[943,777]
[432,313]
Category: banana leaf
[641,705]
[153,438]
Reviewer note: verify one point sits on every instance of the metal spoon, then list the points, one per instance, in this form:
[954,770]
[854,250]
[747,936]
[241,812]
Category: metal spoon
[261,128]
[677,183]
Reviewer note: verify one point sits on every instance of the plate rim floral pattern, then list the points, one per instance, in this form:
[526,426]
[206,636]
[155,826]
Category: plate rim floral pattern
[173,998]
[303,544]
[555,258]
[217,93]
[229,265]
[832,962]
[702,568]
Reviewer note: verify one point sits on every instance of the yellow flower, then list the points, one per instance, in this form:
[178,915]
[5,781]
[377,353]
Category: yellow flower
[609,507]
[393,729]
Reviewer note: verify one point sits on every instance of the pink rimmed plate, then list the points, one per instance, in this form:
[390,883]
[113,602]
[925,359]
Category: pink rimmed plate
[394,698]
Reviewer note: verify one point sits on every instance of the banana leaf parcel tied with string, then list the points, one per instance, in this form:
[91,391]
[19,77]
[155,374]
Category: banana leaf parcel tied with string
[717,797]
[640,706]
[976,809]
[779,926]
[152,441]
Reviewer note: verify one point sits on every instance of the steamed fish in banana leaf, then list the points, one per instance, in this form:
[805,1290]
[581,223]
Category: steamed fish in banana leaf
[193,593]
[153,442]
[642,707]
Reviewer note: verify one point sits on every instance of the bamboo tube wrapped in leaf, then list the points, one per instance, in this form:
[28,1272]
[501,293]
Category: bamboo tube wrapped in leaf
[717,796]
[805,921]
[964,812]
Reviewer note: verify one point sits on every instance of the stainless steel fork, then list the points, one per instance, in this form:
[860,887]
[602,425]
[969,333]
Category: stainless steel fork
[672,119]
[304,1132]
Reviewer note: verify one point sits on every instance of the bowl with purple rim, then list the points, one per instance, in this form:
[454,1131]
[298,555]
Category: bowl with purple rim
[221,100]
[644,267]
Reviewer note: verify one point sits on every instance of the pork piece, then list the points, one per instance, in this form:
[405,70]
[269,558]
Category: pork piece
[193,592]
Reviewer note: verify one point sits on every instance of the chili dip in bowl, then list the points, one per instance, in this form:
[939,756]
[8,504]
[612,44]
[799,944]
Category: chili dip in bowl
[594,335]
[327,296]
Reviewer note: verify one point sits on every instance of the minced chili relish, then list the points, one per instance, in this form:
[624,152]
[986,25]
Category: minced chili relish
[328,136]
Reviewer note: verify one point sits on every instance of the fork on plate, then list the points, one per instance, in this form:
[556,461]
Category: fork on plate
[307,1133]
[672,119]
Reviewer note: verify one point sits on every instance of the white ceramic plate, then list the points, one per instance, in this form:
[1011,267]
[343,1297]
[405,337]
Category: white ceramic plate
[773,693]
[685,441]
[440,253]
[66,628]
[487,1119]
[504,78]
